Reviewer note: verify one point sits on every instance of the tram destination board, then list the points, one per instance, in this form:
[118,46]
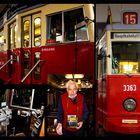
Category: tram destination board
[125,35]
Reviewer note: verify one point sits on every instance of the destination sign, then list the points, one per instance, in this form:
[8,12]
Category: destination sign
[125,35]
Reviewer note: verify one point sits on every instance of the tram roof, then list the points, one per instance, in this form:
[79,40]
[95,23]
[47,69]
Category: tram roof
[118,26]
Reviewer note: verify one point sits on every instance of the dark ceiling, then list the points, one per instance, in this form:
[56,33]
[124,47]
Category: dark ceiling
[3,8]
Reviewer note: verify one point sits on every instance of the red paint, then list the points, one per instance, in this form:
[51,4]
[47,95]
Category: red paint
[67,58]
[110,110]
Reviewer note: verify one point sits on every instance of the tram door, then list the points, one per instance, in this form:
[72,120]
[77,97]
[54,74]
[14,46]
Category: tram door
[11,75]
[31,41]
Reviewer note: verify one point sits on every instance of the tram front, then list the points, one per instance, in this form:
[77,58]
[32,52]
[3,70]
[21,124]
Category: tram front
[118,80]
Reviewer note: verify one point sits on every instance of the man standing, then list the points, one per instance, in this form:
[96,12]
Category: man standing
[72,112]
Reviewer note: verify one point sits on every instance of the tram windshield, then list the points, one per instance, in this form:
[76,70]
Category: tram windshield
[125,57]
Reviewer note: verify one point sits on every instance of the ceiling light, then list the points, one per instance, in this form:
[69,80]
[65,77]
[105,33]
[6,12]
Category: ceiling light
[75,76]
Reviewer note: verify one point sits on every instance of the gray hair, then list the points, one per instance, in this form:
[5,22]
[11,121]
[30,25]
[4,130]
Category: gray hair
[71,82]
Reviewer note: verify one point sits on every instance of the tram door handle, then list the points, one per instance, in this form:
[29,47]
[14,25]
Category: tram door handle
[12,59]
[17,58]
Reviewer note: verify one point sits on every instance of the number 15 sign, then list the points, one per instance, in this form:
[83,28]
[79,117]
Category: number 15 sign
[130,17]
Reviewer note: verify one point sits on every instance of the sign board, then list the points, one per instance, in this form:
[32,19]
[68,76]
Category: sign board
[125,35]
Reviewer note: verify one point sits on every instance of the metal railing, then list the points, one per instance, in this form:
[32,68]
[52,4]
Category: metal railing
[6,63]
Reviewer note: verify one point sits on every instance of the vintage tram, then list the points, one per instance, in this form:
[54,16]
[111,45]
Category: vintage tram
[46,38]
[118,57]
[35,42]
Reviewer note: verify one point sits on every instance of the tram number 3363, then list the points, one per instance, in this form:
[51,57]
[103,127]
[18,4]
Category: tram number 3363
[129,87]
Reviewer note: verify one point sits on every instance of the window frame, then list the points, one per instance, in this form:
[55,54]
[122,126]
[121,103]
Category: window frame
[63,25]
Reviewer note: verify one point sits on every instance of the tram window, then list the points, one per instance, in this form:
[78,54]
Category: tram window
[67,26]
[1,40]
[75,27]
[102,63]
[125,57]
[37,32]
[26,33]
[37,69]
[11,40]
[22,98]
[26,63]
[55,27]
[12,36]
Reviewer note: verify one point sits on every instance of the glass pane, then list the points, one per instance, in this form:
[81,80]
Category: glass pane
[55,28]
[12,34]
[75,27]
[1,40]
[125,57]
[26,33]
[26,63]
[37,32]
[11,38]
[14,30]
[103,61]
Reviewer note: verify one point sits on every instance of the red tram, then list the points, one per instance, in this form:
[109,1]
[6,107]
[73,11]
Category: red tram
[35,42]
[38,42]
[117,99]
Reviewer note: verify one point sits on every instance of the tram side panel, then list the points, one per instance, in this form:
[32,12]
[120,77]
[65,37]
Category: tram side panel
[67,58]
[85,58]
[59,59]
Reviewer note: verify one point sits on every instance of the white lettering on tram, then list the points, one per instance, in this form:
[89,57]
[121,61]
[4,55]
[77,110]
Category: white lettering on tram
[129,87]
[48,49]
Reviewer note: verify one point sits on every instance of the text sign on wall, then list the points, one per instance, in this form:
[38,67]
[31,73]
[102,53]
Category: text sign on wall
[130,18]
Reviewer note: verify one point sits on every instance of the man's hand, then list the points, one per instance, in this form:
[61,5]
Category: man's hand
[59,129]
[79,125]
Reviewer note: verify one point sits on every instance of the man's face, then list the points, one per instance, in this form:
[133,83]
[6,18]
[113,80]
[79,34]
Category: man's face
[72,89]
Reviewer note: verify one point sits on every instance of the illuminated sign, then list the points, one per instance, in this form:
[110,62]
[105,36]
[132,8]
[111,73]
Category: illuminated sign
[118,35]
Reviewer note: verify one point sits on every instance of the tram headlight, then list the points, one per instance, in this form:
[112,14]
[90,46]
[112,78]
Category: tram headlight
[129,104]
